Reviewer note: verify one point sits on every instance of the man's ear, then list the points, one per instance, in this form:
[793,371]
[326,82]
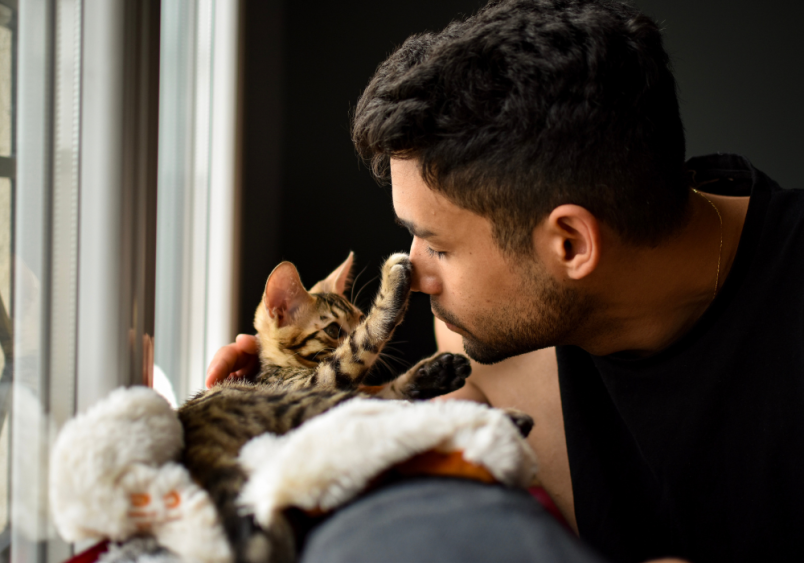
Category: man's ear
[337,281]
[284,293]
[569,240]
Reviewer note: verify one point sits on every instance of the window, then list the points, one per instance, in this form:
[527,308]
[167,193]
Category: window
[79,136]
[84,207]
[195,271]
[7,56]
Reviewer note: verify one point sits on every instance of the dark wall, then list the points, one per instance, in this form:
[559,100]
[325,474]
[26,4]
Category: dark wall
[741,78]
[307,199]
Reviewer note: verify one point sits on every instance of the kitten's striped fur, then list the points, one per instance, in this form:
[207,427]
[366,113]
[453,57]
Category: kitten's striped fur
[315,350]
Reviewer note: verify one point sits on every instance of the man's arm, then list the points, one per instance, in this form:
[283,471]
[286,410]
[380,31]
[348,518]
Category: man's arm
[529,383]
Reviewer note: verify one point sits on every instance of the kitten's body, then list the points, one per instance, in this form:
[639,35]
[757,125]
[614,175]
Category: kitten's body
[316,349]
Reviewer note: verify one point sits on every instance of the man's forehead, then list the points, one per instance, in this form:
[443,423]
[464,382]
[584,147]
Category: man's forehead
[405,168]
[423,211]
[412,195]
[416,206]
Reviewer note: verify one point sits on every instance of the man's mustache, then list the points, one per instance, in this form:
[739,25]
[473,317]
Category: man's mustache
[446,316]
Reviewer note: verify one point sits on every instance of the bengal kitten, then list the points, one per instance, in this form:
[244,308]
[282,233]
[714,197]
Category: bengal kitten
[315,350]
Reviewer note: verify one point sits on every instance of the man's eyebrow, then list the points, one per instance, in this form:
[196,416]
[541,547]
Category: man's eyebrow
[416,232]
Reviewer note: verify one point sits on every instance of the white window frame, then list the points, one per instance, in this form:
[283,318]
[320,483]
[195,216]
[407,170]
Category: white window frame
[196,275]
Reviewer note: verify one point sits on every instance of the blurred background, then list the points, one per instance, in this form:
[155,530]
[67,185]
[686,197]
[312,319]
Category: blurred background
[159,158]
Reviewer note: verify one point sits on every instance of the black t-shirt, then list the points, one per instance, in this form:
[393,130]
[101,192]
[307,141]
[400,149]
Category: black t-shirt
[698,451]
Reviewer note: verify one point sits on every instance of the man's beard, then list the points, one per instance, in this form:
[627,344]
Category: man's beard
[541,315]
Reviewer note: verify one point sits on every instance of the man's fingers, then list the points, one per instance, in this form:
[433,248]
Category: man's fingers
[237,359]
[247,343]
[224,360]
[247,370]
[222,364]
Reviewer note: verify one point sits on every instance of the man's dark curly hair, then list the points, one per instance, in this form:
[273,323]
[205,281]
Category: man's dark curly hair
[531,104]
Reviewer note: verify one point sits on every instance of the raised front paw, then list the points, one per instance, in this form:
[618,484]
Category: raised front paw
[396,276]
[438,375]
[395,285]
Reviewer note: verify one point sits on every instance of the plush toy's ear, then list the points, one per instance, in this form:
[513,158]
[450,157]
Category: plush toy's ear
[337,281]
[284,293]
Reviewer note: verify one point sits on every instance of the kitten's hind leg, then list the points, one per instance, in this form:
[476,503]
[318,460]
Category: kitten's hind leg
[437,375]
[351,361]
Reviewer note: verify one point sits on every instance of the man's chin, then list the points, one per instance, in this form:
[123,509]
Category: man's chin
[485,354]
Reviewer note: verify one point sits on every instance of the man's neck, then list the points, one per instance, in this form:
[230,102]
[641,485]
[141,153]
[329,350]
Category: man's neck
[649,297]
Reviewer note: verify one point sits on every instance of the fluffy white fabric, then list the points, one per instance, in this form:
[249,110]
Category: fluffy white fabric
[95,449]
[180,514]
[113,476]
[332,458]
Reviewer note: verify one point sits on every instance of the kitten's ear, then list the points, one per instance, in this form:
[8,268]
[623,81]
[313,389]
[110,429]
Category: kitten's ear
[284,293]
[337,281]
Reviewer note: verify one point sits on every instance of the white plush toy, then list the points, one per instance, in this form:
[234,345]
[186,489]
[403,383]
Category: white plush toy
[332,458]
[114,473]
[113,476]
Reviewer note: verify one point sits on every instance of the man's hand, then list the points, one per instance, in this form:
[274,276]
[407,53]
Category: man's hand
[235,360]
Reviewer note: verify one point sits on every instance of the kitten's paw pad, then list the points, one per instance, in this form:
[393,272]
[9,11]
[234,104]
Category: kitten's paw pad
[398,259]
[440,375]
[523,422]
[397,271]
[396,279]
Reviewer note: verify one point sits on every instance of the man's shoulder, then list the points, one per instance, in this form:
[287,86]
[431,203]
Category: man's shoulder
[786,211]
[780,234]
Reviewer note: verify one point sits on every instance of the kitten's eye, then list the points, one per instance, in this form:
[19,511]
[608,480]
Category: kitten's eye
[333,330]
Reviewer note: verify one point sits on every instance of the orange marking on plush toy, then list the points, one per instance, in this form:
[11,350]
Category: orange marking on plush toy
[431,462]
[172,499]
[450,464]
[140,499]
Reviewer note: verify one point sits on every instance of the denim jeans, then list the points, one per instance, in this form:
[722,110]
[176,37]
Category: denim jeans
[445,521]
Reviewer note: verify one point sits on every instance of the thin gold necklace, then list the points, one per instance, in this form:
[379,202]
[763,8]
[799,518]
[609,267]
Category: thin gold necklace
[720,251]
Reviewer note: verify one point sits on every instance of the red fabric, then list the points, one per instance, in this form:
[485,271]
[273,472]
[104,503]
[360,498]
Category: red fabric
[90,555]
[541,495]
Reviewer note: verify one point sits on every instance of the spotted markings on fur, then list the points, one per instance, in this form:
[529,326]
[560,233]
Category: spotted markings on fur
[219,421]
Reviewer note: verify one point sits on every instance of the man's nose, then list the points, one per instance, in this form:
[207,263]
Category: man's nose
[423,279]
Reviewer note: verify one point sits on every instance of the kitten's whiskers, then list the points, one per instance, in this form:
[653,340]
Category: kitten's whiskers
[354,283]
[362,288]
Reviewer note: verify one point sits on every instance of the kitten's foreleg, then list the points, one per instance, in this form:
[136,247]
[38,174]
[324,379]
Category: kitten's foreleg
[437,375]
[351,361]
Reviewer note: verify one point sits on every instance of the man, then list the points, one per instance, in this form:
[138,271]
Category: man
[536,155]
